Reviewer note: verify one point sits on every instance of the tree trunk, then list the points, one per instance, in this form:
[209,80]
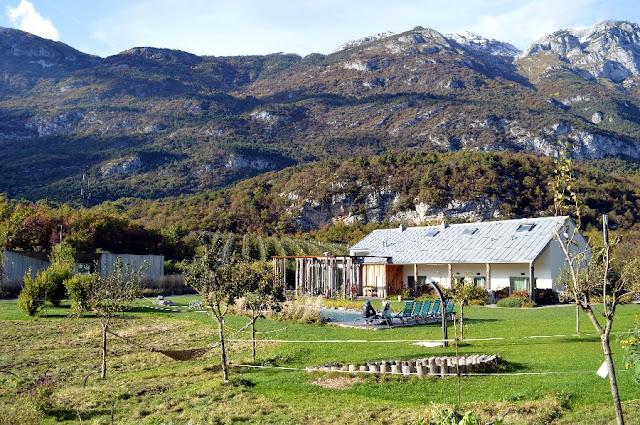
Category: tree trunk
[223,352]
[253,335]
[103,369]
[461,322]
[606,349]
[577,318]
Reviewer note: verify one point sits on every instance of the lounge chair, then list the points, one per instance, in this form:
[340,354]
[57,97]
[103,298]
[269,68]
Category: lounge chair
[435,309]
[415,313]
[406,312]
[424,312]
[449,310]
[378,319]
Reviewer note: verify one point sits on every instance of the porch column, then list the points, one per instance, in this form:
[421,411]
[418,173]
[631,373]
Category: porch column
[531,281]
[488,276]
[415,280]
[450,270]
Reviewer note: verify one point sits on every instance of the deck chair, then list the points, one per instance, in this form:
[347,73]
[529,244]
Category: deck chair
[405,313]
[435,309]
[424,312]
[384,317]
[449,311]
[415,313]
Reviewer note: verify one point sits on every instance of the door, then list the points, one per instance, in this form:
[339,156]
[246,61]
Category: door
[394,280]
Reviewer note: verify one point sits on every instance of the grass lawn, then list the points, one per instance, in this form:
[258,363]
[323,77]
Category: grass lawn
[145,387]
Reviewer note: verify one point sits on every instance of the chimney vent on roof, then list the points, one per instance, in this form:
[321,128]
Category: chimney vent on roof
[401,227]
[444,224]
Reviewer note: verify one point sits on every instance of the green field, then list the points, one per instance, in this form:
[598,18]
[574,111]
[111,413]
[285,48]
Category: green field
[146,387]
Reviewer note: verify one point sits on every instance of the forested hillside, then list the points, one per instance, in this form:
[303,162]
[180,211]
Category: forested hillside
[152,122]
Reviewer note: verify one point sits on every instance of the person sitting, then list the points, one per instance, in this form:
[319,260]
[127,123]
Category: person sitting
[367,309]
[386,309]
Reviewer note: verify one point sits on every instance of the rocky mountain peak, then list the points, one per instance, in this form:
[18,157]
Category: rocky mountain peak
[363,40]
[17,43]
[479,43]
[609,49]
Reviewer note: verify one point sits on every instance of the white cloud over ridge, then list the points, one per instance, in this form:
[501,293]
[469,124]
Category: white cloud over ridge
[26,18]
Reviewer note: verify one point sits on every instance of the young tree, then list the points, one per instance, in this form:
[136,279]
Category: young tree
[106,297]
[587,276]
[464,291]
[263,291]
[48,285]
[216,281]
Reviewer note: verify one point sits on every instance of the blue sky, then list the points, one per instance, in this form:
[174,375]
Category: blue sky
[240,27]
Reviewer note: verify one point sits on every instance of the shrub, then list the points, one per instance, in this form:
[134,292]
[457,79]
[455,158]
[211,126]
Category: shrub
[47,285]
[546,296]
[516,301]
[79,288]
[303,311]
[501,293]
[630,344]
[520,293]
[31,298]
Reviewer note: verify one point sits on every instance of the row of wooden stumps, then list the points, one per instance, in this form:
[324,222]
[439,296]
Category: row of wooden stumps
[432,366]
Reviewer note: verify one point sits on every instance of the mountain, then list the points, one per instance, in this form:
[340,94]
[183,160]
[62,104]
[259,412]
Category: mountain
[151,122]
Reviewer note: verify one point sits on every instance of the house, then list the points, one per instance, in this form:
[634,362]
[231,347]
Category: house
[15,264]
[521,254]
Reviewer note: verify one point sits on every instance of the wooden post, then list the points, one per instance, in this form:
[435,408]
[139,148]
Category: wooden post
[450,272]
[531,281]
[415,279]
[488,277]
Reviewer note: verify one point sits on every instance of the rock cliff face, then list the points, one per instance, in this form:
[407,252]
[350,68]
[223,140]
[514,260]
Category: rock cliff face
[610,49]
[380,205]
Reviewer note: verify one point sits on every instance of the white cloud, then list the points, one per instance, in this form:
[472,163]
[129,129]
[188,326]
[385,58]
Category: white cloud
[25,17]
[533,19]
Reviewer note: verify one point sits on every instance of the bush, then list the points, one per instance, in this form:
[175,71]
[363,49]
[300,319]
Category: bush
[78,288]
[501,293]
[47,285]
[31,298]
[630,344]
[520,293]
[516,301]
[546,296]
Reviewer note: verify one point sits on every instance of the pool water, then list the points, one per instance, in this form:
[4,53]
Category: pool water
[336,315]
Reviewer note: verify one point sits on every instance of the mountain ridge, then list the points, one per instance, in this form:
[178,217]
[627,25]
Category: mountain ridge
[155,122]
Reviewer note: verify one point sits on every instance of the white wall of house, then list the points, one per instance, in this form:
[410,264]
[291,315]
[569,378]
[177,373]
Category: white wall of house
[501,274]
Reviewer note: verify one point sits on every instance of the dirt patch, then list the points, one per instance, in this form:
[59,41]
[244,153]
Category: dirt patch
[339,383]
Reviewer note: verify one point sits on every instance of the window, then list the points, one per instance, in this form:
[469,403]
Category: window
[422,280]
[469,232]
[432,233]
[526,227]
[519,284]
[480,281]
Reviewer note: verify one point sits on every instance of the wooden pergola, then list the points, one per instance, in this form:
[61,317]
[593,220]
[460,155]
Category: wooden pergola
[328,275]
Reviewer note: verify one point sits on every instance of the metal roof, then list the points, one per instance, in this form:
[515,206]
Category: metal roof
[493,242]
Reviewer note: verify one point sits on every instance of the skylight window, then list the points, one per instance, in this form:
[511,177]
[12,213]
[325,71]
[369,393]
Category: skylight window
[469,232]
[526,227]
[432,233]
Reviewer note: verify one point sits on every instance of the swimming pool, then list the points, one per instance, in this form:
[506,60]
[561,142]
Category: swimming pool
[335,315]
